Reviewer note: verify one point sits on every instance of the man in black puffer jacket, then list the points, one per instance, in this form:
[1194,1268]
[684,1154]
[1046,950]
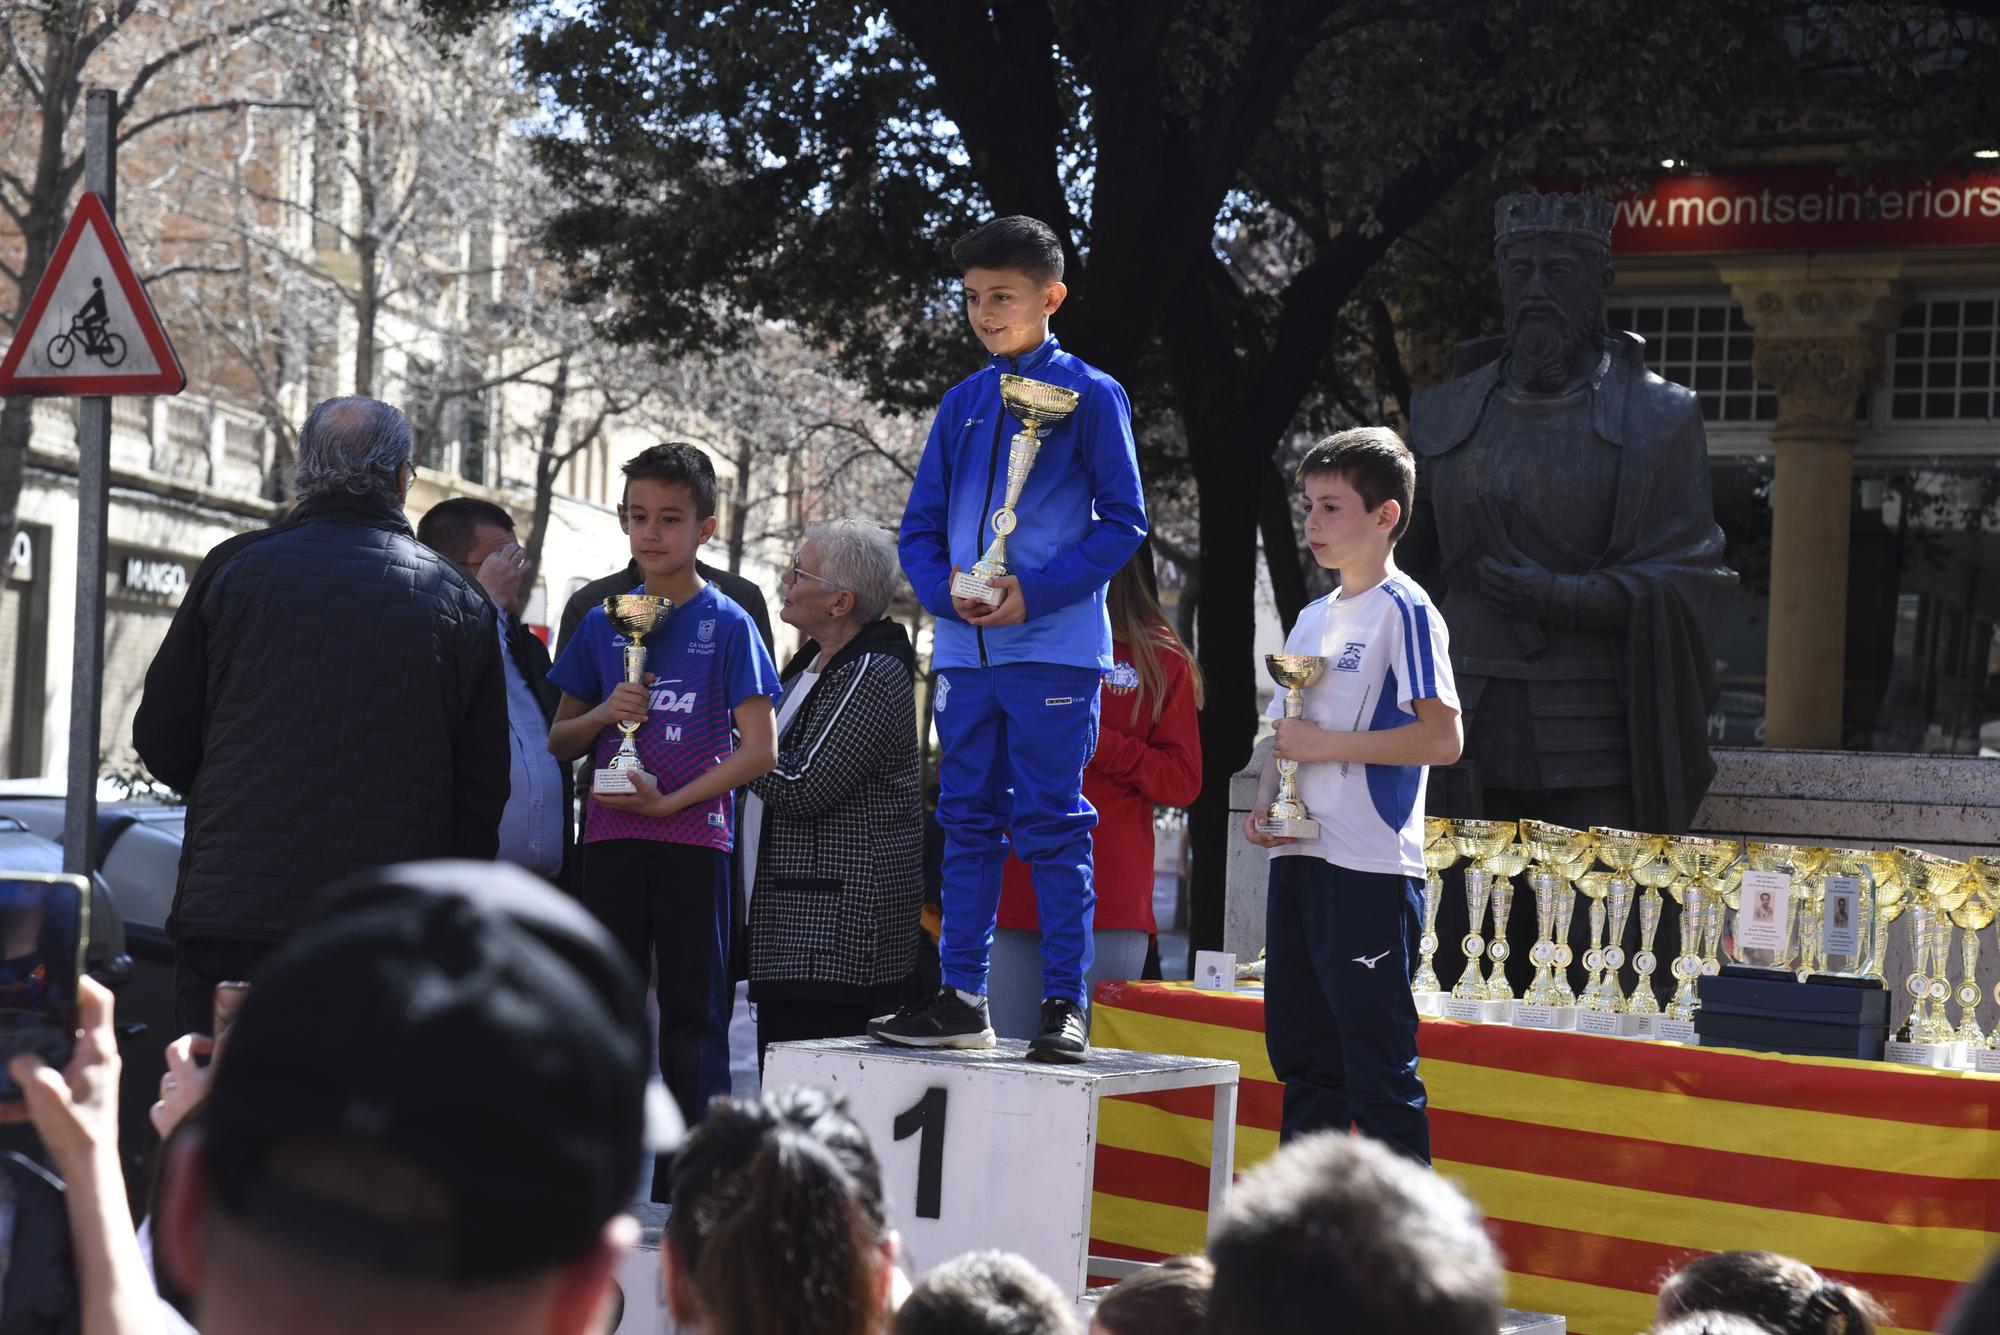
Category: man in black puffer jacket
[329,697]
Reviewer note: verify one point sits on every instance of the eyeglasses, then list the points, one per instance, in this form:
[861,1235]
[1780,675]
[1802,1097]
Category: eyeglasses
[794,570]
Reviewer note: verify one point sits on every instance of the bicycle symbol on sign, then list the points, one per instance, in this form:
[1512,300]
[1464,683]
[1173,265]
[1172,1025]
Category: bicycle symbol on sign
[87,331]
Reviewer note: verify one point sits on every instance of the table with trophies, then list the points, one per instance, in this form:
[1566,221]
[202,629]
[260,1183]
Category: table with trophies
[1612,1119]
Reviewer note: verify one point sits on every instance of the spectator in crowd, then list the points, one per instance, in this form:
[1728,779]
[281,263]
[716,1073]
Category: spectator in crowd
[1148,755]
[987,1293]
[429,1118]
[75,1112]
[535,831]
[1977,1311]
[1171,1296]
[1340,1233]
[833,837]
[1786,1295]
[786,1175]
[329,696]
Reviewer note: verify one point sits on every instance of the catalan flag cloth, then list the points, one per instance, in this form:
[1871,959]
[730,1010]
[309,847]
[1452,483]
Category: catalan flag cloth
[1603,1164]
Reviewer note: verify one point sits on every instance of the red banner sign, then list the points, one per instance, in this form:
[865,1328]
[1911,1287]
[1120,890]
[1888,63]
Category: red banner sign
[1807,208]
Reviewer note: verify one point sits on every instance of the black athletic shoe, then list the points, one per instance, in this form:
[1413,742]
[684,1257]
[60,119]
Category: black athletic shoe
[946,1020]
[1065,1034]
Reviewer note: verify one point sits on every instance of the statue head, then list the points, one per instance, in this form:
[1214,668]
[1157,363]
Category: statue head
[1554,255]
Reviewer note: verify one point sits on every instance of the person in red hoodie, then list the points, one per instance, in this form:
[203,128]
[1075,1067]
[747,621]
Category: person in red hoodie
[1148,755]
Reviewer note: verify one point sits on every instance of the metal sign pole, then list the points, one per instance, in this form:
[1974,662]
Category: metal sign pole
[93,516]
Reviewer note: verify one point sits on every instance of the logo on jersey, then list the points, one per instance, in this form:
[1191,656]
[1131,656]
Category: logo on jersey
[718,820]
[943,689]
[706,631]
[666,701]
[1123,679]
[1350,657]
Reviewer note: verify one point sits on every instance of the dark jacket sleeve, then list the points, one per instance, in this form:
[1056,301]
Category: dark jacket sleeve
[167,730]
[850,737]
[479,749]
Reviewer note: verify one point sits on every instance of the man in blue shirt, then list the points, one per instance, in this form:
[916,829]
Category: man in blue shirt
[478,538]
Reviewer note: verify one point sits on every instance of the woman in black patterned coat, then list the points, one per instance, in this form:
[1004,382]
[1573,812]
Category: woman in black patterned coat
[833,837]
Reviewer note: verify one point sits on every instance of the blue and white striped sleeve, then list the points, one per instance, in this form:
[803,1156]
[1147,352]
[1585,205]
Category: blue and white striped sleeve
[1423,656]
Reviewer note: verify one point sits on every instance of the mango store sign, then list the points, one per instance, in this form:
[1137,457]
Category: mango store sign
[1808,208]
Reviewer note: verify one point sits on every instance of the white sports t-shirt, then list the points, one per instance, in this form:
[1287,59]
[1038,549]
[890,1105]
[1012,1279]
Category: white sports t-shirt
[1385,649]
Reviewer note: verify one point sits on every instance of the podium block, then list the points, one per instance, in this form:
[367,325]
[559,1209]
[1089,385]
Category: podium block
[986,1149]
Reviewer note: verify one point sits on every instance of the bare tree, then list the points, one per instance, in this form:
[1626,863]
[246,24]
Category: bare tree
[170,62]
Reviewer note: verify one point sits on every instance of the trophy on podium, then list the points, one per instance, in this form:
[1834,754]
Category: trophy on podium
[1439,854]
[635,616]
[1038,405]
[1503,866]
[1554,849]
[1622,852]
[1287,816]
[1477,840]
[1937,888]
[1703,861]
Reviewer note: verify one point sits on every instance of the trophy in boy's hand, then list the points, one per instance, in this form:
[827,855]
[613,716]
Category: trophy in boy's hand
[1288,817]
[1037,404]
[635,616]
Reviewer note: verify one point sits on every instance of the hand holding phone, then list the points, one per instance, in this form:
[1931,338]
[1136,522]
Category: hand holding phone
[43,936]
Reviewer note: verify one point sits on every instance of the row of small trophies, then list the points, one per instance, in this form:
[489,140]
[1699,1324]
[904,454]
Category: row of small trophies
[1839,906]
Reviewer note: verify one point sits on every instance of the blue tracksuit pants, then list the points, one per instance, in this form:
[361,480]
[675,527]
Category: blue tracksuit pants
[1339,1021]
[1013,743]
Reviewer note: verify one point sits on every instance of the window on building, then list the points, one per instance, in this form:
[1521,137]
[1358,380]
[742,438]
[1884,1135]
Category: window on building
[1945,359]
[1703,343]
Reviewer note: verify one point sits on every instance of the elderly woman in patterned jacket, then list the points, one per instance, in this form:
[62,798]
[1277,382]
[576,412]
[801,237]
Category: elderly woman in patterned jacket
[833,837]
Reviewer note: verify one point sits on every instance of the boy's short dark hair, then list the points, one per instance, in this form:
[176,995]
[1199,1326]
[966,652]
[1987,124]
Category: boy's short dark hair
[1343,1224]
[1375,462]
[1172,1295]
[1017,242]
[986,1293]
[677,462]
[447,527]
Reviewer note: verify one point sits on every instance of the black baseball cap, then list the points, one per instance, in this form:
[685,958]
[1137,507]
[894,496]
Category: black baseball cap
[469,1027]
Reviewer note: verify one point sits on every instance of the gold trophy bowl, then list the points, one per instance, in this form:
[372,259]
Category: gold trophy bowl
[635,616]
[1287,817]
[1038,405]
[1554,849]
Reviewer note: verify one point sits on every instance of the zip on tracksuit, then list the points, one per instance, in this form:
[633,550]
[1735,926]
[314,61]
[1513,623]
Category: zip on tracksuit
[1016,706]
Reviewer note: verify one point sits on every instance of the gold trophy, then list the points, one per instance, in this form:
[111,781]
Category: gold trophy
[1800,864]
[1477,840]
[1643,1006]
[1287,816]
[1622,851]
[1703,861]
[1554,848]
[1938,888]
[1038,405]
[1439,854]
[1595,886]
[635,616]
[1503,866]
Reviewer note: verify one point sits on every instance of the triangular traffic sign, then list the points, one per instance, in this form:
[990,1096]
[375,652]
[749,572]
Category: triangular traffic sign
[90,328]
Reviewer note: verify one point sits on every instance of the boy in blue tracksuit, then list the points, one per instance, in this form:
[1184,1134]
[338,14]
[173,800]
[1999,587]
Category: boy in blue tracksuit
[1017,680]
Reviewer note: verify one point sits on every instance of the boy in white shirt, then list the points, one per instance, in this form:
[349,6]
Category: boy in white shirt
[1344,908]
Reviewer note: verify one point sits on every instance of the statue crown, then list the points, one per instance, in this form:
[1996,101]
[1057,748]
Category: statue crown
[1584,216]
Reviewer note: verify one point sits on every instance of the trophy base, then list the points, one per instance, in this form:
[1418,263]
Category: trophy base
[1933,1056]
[1610,1024]
[1432,1004]
[1478,1012]
[965,584]
[1986,1059]
[1677,1031]
[613,781]
[1289,829]
[1543,1017]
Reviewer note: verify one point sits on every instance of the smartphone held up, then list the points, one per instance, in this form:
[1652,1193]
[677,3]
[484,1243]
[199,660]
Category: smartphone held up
[42,942]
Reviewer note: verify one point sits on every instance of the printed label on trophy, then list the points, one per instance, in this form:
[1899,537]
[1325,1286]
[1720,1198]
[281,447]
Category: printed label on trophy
[1986,1059]
[1932,1055]
[1840,930]
[968,585]
[1429,1004]
[1534,1017]
[1766,910]
[1465,1008]
[1640,1026]
[1603,1023]
[613,781]
[1678,1031]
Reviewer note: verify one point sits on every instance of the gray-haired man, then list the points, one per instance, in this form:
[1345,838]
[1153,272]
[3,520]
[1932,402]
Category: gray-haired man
[329,697]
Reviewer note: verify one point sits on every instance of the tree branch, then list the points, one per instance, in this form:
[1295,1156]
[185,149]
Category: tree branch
[138,128]
[152,68]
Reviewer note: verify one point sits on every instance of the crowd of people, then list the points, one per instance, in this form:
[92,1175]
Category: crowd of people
[446,1085]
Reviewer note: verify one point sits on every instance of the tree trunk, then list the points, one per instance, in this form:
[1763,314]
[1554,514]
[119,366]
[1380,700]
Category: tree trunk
[746,456]
[366,295]
[548,463]
[1281,547]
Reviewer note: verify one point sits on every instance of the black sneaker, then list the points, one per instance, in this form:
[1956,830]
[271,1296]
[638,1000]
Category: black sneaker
[946,1020]
[1065,1034]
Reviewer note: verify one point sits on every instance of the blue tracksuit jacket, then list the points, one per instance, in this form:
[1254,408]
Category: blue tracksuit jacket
[1081,516]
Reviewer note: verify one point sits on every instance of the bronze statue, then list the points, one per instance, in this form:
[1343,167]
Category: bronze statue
[1570,525]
